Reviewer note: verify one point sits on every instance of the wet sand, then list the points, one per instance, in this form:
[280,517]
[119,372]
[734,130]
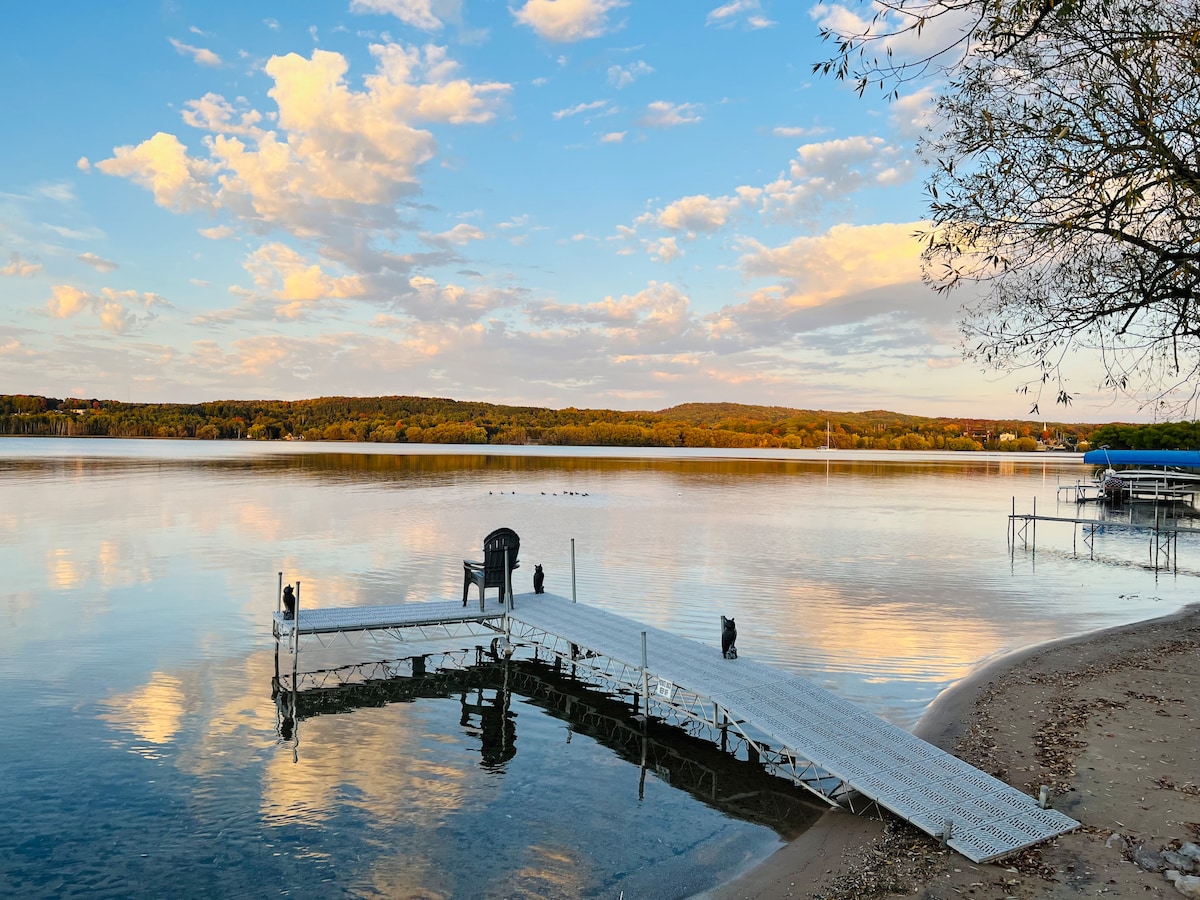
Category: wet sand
[1110,721]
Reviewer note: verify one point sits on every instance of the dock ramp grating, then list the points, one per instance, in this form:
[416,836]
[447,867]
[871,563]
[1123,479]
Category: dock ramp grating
[829,745]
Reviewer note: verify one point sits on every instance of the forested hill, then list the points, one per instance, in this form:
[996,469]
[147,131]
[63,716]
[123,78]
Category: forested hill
[435,420]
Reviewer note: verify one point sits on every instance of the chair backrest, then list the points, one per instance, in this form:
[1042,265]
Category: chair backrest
[494,546]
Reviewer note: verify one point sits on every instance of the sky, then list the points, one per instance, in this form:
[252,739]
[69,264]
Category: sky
[622,204]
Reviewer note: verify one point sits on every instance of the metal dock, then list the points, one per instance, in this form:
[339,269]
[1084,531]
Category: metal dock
[827,745]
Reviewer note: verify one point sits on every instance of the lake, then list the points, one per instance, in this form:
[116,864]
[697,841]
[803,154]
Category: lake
[142,754]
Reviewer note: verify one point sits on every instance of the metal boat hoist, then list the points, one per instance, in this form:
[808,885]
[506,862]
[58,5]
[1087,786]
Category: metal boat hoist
[821,742]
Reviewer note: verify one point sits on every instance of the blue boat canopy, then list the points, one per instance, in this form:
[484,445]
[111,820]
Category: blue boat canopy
[1187,459]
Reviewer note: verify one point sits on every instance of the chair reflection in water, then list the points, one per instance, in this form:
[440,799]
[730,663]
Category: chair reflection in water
[500,550]
[497,729]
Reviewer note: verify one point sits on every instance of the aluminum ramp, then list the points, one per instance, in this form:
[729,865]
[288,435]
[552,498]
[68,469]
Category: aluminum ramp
[827,744]
[837,748]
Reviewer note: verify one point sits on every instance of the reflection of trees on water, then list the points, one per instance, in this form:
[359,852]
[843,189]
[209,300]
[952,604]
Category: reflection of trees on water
[423,469]
[740,788]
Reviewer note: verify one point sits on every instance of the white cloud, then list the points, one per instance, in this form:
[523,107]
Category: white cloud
[912,113]
[60,191]
[830,171]
[791,131]
[612,137]
[458,236]
[218,233]
[942,30]
[623,76]
[97,262]
[83,165]
[747,11]
[428,15]
[567,21]
[272,24]
[663,249]
[447,305]
[212,112]
[661,114]
[19,268]
[199,55]
[579,108]
[657,315]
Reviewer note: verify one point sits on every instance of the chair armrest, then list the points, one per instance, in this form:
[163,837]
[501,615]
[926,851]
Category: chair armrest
[472,564]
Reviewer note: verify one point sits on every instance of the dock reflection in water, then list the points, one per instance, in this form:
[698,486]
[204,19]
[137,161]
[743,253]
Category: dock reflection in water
[727,780]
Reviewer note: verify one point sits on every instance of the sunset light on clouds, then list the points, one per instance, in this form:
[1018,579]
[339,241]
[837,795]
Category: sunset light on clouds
[596,203]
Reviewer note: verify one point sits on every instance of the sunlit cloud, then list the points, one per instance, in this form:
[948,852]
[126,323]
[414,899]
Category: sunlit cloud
[20,268]
[697,213]
[613,137]
[288,276]
[199,55]
[567,21]
[661,114]
[117,311]
[344,151]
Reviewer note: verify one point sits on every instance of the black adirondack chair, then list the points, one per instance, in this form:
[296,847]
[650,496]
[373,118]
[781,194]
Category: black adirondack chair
[492,572]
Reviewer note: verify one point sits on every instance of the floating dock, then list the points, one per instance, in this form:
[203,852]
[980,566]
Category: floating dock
[823,743]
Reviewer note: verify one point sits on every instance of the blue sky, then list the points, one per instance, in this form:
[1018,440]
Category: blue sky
[587,203]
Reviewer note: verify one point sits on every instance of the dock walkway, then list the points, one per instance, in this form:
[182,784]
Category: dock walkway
[826,744]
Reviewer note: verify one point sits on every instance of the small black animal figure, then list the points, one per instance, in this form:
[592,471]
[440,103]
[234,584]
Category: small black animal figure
[539,580]
[289,602]
[728,638]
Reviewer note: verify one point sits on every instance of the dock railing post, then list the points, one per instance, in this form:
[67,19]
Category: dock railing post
[295,638]
[573,597]
[508,597]
[275,624]
[645,680]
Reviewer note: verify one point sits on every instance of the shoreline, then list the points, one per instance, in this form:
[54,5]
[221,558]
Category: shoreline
[991,718]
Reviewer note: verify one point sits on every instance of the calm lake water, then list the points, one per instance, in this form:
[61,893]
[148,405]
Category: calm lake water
[141,753]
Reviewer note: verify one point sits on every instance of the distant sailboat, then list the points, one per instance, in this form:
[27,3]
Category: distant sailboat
[828,445]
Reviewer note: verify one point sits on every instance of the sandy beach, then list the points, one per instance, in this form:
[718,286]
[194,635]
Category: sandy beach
[1110,721]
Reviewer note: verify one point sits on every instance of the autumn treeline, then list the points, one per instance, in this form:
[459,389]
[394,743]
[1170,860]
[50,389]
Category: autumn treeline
[437,421]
